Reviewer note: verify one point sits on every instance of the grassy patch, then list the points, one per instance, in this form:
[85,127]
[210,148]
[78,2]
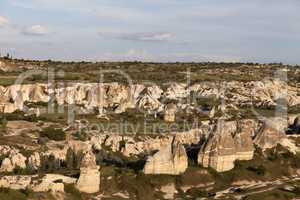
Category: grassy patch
[53,133]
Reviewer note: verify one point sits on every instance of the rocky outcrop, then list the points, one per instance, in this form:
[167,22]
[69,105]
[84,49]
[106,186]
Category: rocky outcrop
[49,182]
[6,165]
[226,144]
[34,161]
[89,180]
[169,191]
[15,182]
[132,146]
[219,151]
[271,133]
[243,139]
[169,113]
[13,161]
[119,97]
[171,159]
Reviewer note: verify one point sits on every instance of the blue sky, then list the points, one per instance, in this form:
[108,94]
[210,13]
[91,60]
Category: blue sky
[152,30]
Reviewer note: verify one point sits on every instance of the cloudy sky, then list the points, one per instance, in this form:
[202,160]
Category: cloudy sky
[152,30]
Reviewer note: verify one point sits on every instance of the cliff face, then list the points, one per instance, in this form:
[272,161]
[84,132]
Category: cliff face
[230,141]
[271,133]
[171,159]
[234,140]
[149,98]
[219,151]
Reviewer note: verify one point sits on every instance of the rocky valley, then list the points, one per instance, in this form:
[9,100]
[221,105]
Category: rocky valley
[137,130]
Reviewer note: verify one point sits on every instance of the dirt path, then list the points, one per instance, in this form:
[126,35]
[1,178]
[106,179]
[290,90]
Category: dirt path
[254,188]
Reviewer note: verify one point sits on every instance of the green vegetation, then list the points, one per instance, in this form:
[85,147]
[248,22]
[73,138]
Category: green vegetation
[53,133]
[268,166]
[259,170]
[159,73]
[19,115]
[82,135]
[9,194]
[72,193]
[73,160]
[138,185]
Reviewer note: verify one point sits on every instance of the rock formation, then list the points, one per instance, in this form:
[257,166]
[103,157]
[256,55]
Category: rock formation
[89,180]
[271,133]
[13,161]
[171,159]
[243,139]
[118,97]
[34,161]
[6,165]
[169,113]
[15,182]
[51,182]
[225,145]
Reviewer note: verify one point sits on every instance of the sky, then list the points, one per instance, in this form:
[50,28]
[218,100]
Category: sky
[262,31]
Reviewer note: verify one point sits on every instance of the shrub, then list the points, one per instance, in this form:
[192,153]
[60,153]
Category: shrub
[82,136]
[73,159]
[9,194]
[259,170]
[72,192]
[52,133]
[3,123]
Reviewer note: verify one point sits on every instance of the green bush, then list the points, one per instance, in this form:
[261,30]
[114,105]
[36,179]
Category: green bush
[9,194]
[72,192]
[259,170]
[52,133]
[3,123]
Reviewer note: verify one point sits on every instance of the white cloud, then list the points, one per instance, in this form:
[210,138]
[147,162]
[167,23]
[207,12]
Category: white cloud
[130,55]
[37,30]
[154,37]
[3,21]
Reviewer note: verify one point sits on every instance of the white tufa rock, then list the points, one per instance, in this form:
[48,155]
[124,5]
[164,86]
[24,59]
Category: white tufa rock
[171,159]
[89,180]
